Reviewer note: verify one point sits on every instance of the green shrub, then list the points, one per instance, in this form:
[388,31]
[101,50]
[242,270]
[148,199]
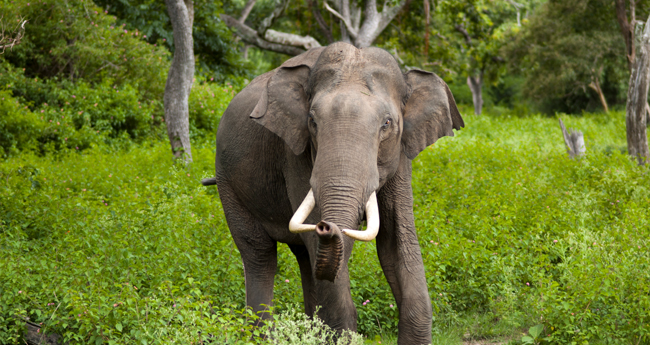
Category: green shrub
[72,40]
[294,327]
[18,125]
[206,103]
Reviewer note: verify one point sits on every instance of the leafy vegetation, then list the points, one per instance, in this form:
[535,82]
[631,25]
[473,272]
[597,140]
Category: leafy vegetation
[104,244]
[104,239]
[212,40]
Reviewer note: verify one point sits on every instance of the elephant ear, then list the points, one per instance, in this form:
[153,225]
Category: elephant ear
[430,112]
[283,107]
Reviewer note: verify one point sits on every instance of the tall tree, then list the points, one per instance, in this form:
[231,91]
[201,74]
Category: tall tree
[359,26]
[570,53]
[478,23]
[180,78]
[637,97]
[213,41]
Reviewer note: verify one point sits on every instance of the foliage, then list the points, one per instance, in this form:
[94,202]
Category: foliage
[484,23]
[507,226]
[71,40]
[294,327]
[213,42]
[17,126]
[47,116]
[567,45]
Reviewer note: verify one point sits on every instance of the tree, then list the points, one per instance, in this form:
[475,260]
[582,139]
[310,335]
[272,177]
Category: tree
[358,26]
[480,24]
[213,41]
[180,78]
[569,52]
[637,97]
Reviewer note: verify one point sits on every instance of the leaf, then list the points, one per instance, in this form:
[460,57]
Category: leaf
[536,330]
[527,340]
[118,326]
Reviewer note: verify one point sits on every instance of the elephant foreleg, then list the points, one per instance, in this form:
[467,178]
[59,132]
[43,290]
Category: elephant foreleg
[258,252]
[401,260]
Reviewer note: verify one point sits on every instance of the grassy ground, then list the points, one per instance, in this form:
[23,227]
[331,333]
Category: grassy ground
[123,246]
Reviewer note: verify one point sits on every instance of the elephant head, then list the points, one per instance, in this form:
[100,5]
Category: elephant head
[357,113]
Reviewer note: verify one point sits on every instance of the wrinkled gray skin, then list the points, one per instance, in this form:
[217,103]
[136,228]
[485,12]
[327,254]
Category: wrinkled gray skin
[345,122]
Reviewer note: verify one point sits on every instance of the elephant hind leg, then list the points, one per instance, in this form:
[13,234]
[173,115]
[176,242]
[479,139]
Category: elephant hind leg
[258,251]
[306,276]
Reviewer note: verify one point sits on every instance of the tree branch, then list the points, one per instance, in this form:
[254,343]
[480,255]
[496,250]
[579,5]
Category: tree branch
[13,39]
[375,22]
[247,10]
[250,36]
[320,20]
[268,21]
[290,39]
[464,32]
[346,21]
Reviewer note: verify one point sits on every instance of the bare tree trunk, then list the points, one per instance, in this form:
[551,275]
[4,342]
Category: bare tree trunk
[180,78]
[476,85]
[627,30]
[637,96]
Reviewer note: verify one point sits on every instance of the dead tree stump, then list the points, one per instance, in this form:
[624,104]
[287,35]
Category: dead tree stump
[574,141]
[34,336]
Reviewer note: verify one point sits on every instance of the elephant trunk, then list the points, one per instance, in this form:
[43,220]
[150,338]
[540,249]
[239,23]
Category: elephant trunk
[329,258]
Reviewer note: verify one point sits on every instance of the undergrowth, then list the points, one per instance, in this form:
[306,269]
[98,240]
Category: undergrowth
[121,246]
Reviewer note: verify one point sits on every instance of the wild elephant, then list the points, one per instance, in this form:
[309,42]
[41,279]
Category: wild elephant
[305,151]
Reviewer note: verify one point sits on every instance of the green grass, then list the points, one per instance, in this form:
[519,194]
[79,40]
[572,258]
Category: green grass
[123,246]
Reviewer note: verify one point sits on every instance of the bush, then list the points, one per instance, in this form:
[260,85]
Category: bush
[18,125]
[207,102]
[294,327]
[77,40]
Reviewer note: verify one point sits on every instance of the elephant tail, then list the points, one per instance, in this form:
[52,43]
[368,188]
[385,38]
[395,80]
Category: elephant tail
[210,181]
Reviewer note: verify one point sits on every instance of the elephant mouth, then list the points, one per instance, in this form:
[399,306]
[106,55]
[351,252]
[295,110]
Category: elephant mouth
[329,257]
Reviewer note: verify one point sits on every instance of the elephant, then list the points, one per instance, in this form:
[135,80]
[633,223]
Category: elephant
[309,150]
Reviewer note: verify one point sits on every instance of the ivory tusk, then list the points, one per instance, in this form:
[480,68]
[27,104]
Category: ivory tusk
[372,215]
[296,223]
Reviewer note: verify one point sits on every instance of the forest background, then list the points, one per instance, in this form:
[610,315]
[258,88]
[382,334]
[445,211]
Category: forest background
[105,239]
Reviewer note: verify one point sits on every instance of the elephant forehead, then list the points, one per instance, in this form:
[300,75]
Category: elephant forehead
[342,65]
[368,75]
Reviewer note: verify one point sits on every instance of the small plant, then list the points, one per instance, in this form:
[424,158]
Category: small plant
[295,327]
[534,333]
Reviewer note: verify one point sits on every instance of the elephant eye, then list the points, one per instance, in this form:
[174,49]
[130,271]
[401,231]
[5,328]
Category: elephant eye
[386,123]
[311,120]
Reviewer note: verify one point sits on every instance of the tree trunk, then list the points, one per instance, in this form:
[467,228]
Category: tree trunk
[180,78]
[637,95]
[475,85]
[627,29]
